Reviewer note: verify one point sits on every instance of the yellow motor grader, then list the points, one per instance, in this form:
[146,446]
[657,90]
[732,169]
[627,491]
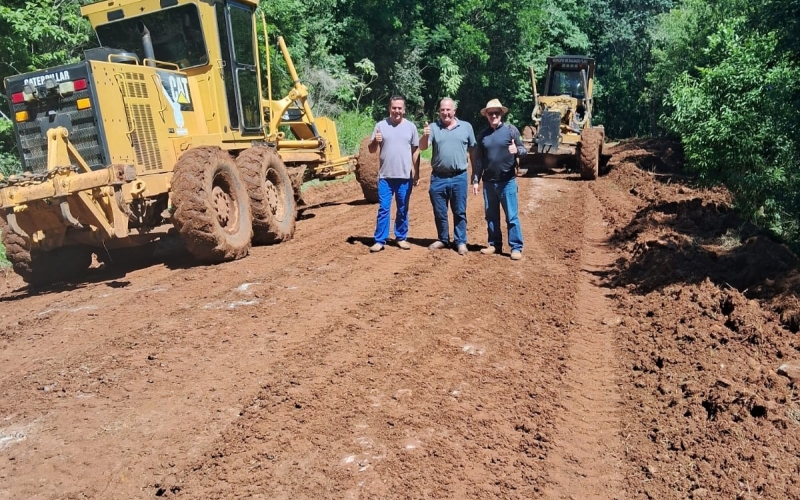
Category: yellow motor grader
[163,128]
[562,116]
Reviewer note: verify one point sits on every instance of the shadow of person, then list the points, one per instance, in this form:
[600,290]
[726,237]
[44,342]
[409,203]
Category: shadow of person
[367,241]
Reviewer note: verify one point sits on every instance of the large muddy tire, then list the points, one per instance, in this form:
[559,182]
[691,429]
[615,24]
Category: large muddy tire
[527,161]
[589,153]
[16,251]
[212,210]
[528,133]
[367,167]
[272,198]
[43,268]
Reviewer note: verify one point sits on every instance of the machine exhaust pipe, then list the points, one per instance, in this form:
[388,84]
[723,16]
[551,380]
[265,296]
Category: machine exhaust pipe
[147,44]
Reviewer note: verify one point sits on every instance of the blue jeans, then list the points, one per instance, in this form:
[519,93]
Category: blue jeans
[401,190]
[452,190]
[496,194]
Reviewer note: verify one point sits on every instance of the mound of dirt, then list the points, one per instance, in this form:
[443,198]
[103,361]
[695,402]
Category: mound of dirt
[687,233]
[654,155]
[717,418]
[712,316]
[367,167]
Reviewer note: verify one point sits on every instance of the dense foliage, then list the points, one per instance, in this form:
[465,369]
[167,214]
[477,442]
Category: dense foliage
[732,98]
[720,75]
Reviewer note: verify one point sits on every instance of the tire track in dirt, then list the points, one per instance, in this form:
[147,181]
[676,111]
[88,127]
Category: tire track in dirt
[587,458]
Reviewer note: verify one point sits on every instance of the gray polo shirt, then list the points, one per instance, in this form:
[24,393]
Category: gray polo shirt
[450,146]
[396,148]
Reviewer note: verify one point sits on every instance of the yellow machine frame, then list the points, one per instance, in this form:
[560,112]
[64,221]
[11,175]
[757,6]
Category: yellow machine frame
[154,129]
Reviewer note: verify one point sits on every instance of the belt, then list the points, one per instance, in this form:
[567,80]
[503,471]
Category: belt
[449,173]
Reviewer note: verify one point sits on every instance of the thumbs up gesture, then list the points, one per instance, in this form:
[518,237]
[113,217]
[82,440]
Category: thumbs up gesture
[426,130]
[512,148]
[378,137]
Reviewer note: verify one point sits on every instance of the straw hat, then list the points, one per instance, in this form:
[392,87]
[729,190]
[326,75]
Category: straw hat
[494,103]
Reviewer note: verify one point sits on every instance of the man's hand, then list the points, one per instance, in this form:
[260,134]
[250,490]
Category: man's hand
[416,178]
[378,137]
[475,189]
[512,148]
[426,130]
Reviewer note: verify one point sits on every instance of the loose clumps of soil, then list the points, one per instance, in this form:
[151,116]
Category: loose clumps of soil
[712,315]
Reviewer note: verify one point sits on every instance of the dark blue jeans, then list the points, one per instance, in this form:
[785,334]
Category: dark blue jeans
[495,195]
[452,190]
[401,190]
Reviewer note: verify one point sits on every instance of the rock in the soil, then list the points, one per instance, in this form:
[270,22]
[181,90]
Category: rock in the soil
[790,370]
[699,493]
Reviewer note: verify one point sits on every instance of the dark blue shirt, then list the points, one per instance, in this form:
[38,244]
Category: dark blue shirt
[495,163]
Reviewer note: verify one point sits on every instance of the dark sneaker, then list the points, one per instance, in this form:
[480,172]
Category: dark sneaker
[437,245]
[377,247]
[404,244]
[462,249]
[488,250]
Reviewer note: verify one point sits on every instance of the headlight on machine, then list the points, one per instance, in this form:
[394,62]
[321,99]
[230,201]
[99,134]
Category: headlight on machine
[84,103]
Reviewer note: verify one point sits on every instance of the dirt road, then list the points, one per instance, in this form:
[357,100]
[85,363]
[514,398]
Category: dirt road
[633,353]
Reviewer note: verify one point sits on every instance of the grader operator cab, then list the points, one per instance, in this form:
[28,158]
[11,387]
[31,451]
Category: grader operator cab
[562,116]
[163,128]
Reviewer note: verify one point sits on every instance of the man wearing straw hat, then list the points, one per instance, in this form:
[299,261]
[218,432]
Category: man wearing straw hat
[499,145]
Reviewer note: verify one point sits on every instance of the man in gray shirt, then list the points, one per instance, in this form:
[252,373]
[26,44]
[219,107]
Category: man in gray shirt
[398,141]
[452,139]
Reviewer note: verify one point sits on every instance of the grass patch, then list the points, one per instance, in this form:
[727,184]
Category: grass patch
[3,260]
[730,240]
[352,127]
[317,183]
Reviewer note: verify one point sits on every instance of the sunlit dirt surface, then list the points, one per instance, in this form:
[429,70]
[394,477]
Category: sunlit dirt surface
[633,352]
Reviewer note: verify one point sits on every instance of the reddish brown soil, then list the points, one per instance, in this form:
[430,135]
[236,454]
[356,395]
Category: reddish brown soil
[632,353]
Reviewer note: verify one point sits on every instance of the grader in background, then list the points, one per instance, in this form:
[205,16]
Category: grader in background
[163,128]
[562,116]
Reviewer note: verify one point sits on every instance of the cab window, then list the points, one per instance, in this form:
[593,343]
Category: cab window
[176,34]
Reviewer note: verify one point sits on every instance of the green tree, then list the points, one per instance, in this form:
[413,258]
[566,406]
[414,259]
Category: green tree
[620,33]
[736,127]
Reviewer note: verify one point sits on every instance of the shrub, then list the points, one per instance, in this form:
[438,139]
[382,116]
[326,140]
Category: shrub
[352,127]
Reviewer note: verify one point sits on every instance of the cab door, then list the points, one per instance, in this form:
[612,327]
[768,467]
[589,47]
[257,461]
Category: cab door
[242,90]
